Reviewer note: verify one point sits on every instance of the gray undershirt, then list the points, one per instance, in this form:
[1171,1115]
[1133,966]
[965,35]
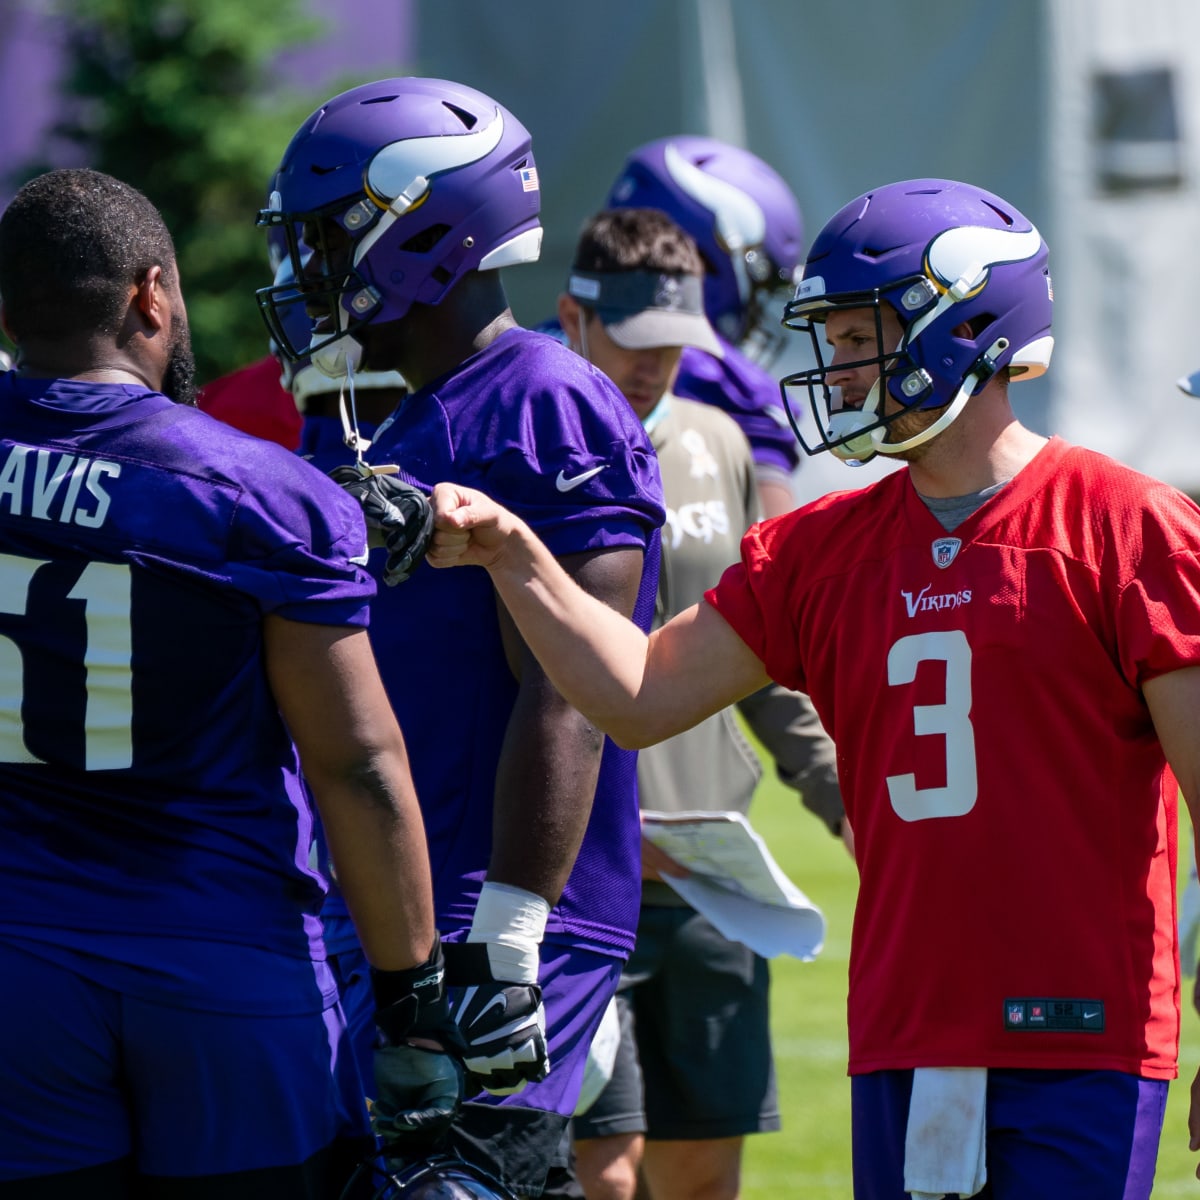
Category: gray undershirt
[952,511]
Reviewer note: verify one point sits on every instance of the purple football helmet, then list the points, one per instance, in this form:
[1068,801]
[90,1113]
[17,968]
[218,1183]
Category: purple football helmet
[966,275]
[741,215]
[423,180]
[440,1177]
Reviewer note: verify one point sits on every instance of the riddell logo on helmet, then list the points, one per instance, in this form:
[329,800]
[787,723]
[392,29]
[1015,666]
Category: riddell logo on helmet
[923,602]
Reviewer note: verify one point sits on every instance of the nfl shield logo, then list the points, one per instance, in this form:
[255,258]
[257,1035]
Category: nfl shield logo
[945,550]
[1016,1014]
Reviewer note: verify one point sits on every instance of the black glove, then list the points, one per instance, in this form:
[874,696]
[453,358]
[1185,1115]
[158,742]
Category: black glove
[399,511]
[418,1090]
[502,1021]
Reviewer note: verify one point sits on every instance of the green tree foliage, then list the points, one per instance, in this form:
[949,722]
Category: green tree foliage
[178,98]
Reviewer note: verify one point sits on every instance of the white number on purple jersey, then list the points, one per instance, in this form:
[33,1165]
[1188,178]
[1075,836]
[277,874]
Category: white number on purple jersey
[105,590]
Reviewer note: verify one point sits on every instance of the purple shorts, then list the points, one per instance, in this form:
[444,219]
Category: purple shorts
[1050,1134]
[93,1076]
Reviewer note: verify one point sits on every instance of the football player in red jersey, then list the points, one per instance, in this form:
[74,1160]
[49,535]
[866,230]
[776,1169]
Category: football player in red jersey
[1004,642]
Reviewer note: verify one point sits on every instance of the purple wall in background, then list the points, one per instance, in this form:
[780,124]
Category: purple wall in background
[364,39]
[30,67]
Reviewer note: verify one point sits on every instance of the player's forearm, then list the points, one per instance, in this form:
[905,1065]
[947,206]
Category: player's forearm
[594,656]
[377,843]
[545,784]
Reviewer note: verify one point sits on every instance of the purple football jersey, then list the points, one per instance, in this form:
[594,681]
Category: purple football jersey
[536,427]
[749,395]
[149,792]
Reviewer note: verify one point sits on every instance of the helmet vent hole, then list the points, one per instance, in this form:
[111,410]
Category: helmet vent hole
[441,275]
[468,119]
[381,100]
[421,243]
[1005,217]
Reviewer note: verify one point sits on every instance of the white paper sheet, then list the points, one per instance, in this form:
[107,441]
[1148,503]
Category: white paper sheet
[736,883]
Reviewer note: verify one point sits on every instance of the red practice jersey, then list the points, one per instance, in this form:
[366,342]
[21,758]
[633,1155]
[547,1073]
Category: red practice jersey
[1014,820]
[251,399]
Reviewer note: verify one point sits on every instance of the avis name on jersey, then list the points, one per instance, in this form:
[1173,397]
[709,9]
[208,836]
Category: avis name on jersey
[53,486]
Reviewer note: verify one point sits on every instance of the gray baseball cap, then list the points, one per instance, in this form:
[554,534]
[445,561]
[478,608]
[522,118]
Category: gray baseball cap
[647,310]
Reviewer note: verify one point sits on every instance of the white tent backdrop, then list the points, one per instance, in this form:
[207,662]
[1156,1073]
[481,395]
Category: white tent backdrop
[1126,217]
[840,98]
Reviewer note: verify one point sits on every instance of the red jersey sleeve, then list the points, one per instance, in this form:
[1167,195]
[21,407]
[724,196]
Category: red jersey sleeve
[1158,610]
[758,597]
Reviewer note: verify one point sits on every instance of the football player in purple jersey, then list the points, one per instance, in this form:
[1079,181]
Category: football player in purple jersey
[746,222]
[183,628]
[400,200]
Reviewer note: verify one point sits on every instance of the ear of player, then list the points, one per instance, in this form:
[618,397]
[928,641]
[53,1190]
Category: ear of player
[395,510]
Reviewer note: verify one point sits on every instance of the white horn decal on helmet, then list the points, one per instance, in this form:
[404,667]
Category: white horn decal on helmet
[398,176]
[740,220]
[974,249]
[399,173]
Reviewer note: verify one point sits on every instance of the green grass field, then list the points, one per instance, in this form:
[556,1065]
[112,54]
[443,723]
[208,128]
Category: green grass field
[810,1158]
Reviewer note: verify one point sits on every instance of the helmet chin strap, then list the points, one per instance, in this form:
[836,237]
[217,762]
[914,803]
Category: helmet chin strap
[870,442]
[338,358]
[349,415]
[951,412]
[583,346]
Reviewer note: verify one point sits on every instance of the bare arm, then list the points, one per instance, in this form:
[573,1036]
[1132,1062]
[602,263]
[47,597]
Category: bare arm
[775,495]
[550,762]
[328,690]
[636,689]
[1174,702]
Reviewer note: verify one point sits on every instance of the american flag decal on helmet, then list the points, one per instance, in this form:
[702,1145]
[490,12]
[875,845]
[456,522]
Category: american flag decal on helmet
[529,179]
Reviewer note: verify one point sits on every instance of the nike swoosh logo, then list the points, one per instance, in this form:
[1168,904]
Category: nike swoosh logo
[1087,1016]
[565,485]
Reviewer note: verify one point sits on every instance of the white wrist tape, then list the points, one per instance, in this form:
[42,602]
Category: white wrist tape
[512,922]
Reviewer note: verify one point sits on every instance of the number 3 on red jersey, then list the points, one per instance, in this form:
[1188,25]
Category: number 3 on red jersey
[951,720]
